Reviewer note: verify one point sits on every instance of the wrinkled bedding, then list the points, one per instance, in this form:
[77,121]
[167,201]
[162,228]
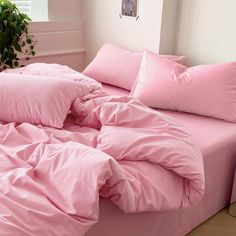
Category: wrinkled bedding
[113,147]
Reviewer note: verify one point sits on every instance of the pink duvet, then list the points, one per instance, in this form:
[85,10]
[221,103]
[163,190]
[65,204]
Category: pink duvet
[51,180]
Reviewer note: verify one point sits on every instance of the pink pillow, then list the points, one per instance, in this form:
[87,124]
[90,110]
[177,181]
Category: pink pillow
[208,90]
[117,66]
[23,98]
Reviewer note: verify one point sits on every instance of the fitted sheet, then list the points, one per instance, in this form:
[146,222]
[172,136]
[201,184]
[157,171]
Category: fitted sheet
[113,90]
[208,132]
[217,141]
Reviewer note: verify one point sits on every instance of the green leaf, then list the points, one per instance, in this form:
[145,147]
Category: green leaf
[29,41]
[17,47]
[16,63]
[14,36]
[9,63]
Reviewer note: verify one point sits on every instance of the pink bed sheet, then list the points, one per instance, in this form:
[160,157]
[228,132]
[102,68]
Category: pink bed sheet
[113,90]
[217,140]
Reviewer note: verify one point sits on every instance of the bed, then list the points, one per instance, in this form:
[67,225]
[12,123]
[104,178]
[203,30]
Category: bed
[217,140]
[58,181]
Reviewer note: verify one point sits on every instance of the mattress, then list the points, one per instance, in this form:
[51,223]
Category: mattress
[217,141]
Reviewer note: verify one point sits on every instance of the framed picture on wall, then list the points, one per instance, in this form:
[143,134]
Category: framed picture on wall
[129,8]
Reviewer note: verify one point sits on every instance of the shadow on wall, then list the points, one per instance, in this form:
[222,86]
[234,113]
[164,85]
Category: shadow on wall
[206,31]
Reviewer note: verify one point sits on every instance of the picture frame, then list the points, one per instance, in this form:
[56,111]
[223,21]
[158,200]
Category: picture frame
[130,8]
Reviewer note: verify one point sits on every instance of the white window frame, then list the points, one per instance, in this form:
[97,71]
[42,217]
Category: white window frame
[37,10]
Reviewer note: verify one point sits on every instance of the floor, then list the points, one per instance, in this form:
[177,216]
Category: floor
[222,224]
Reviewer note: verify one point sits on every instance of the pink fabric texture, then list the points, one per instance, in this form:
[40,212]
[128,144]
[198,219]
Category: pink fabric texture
[36,100]
[119,67]
[51,179]
[50,175]
[44,69]
[208,90]
[52,70]
[217,141]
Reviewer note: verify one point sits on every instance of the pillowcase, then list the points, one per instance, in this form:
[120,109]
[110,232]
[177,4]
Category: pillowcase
[35,100]
[117,66]
[208,90]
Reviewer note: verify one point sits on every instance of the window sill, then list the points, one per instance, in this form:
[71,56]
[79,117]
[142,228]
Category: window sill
[57,53]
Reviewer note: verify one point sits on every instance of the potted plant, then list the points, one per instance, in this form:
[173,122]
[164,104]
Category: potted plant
[14,36]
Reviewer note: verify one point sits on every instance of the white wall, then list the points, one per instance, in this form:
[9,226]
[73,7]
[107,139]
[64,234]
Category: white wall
[61,40]
[103,24]
[168,26]
[207,31]
[39,10]
[65,10]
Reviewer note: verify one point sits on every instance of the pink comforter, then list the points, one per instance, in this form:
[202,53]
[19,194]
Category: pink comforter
[51,180]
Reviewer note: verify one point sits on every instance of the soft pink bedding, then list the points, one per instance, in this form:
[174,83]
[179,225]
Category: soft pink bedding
[207,90]
[39,101]
[217,141]
[119,67]
[113,90]
[50,179]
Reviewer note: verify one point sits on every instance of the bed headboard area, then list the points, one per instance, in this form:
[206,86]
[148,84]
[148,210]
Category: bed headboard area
[206,31]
